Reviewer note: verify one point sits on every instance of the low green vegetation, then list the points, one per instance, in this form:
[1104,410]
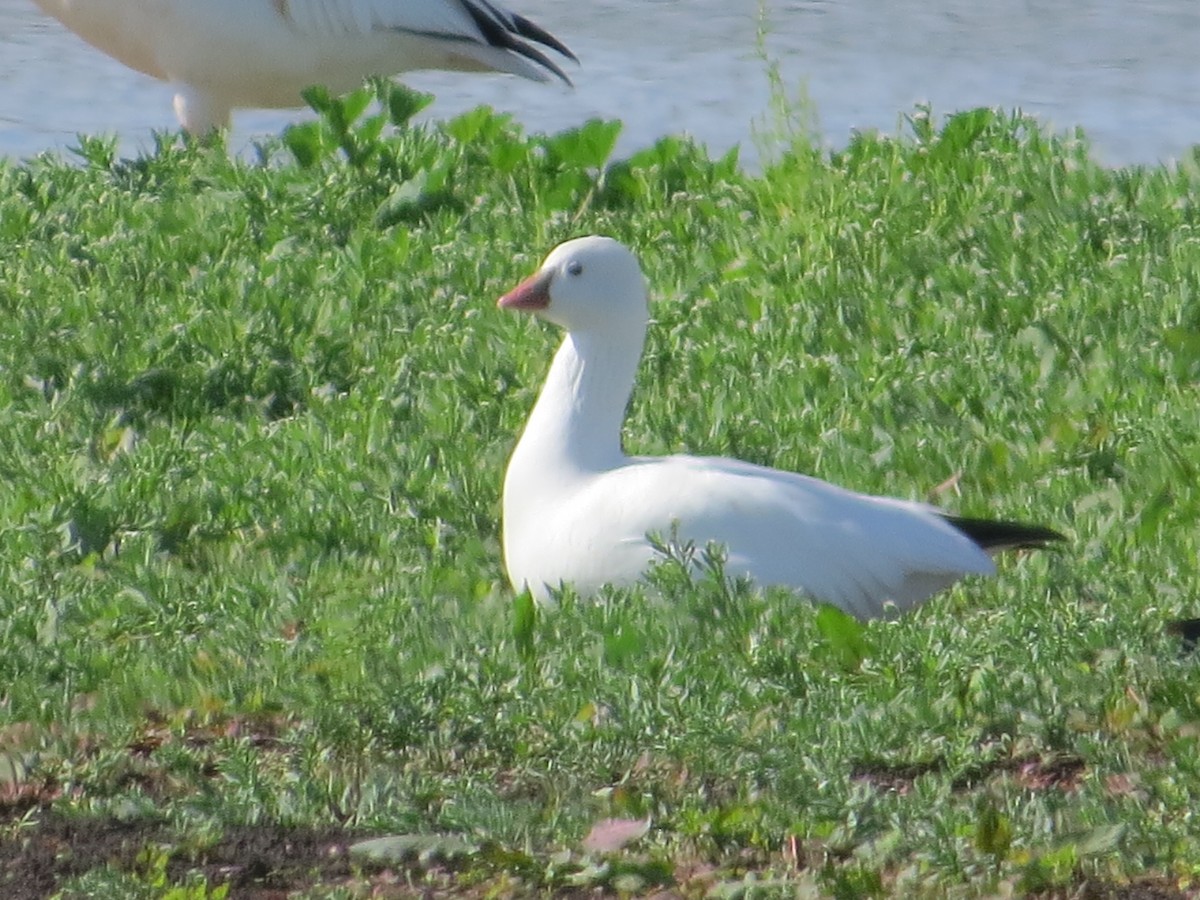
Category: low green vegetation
[254,417]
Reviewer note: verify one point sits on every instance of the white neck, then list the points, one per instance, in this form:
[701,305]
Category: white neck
[575,425]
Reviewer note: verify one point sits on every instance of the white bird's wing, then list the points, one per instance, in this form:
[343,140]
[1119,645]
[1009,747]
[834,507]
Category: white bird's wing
[440,17]
[466,22]
[852,550]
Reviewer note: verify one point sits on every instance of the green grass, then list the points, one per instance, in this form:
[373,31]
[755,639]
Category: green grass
[254,418]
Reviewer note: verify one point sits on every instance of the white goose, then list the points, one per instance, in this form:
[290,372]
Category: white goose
[227,54]
[577,510]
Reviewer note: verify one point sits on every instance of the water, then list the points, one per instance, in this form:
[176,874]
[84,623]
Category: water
[1127,71]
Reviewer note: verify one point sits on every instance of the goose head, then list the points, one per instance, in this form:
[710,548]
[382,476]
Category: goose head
[590,284]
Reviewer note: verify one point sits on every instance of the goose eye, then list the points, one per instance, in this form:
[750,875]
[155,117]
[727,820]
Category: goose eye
[574,267]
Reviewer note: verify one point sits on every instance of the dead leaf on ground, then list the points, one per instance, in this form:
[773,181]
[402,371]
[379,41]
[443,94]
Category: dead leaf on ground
[610,835]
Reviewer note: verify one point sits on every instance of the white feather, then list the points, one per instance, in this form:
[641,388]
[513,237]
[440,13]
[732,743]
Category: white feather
[366,16]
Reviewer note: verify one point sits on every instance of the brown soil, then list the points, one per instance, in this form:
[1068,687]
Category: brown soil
[270,863]
[260,863]
[1032,772]
[1144,889]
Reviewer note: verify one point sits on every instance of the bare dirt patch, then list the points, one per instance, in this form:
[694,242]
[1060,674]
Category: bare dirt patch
[257,862]
[1098,889]
[1033,772]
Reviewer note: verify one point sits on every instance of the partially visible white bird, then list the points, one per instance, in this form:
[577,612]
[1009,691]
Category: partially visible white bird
[222,55]
[577,510]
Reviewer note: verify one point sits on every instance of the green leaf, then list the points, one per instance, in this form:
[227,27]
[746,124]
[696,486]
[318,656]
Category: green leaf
[402,103]
[355,103]
[306,143]
[842,634]
[993,831]
[1184,347]
[506,155]
[586,147]
[481,125]
[318,98]
[524,624]
[1153,512]
[622,646]
[961,131]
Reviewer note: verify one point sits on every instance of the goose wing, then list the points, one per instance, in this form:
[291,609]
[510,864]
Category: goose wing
[465,23]
[855,551]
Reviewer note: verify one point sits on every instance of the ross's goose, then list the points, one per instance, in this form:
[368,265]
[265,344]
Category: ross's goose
[227,54]
[577,510]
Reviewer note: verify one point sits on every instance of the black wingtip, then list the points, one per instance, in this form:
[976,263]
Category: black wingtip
[511,32]
[990,534]
[535,32]
[533,53]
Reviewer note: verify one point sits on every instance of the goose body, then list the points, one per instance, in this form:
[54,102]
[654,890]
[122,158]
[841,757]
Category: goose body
[227,54]
[578,511]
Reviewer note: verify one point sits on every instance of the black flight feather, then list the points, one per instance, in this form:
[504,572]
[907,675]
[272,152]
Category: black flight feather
[505,30]
[537,33]
[993,535]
